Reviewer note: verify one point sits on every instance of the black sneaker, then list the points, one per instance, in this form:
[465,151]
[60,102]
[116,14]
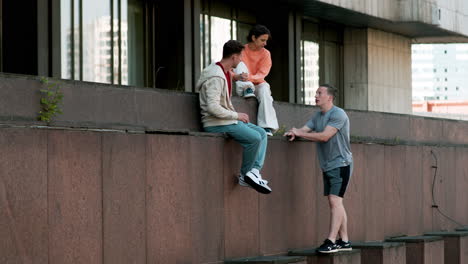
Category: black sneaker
[327,247]
[343,246]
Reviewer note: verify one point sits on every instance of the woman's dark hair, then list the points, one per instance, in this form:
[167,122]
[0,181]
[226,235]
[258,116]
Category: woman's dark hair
[232,47]
[257,31]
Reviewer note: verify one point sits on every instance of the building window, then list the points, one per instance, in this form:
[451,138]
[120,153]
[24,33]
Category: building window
[445,97]
[309,70]
[445,69]
[445,88]
[457,88]
[438,89]
[215,31]
[445,79]
[102,41]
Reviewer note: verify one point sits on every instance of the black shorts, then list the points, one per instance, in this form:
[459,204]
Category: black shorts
[336,181]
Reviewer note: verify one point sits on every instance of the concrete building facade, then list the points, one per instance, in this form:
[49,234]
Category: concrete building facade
[364,46]
[126,174]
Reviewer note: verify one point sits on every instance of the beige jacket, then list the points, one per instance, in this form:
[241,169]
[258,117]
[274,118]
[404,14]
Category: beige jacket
[215,103]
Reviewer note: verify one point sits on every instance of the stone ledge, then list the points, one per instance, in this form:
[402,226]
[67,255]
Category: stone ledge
[267,259]
[103,106]
[414,239]
[447,233]
[377,244]
[313,252]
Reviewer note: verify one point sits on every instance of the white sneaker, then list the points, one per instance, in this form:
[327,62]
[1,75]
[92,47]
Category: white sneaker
[242,181]
[257,172]
[248,93]
[256,182]
[268,132]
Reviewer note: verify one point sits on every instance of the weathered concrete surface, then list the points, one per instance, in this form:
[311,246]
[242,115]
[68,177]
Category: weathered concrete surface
[422,249]
[350,257]
[377,70]
[74,177]
[124,182]
[382,252]
[455,243]
[102,197]
[431,16]
[268,259]
[143,109]
[23,196]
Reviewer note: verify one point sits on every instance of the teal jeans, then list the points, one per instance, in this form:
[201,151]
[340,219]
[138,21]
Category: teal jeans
[253,140]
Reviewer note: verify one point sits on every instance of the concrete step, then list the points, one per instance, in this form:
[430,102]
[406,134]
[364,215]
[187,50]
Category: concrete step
[348,257]
[381,252]
[455,246]
[422,249]
[268,259]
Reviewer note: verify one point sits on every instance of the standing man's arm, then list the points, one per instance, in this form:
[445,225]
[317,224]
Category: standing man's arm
[292,135]
[306,133]
[336,122]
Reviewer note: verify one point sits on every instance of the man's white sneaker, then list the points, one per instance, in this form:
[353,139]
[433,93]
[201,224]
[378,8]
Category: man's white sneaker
[256,182]
[242,181]
[257,172]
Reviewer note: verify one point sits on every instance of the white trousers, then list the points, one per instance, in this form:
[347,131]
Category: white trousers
[266,116]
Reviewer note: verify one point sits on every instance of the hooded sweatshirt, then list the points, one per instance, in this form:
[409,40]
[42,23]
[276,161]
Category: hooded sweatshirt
[215,102]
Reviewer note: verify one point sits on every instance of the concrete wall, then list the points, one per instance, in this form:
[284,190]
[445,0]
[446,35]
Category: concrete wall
[71,195]
[91,105]
[377,70]
[387,9]
[451,15]
[99,197]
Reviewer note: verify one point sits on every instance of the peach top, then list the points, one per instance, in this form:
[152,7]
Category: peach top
[258,62]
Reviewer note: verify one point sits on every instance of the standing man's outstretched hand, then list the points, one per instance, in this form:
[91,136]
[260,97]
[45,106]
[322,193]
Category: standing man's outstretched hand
[292,133]
[243,117]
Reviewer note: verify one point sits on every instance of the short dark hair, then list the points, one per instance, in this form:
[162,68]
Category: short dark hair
[330,90]
[232,47]
[257,31]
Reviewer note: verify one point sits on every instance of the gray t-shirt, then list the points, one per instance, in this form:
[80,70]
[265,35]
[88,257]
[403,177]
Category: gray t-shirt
[337,151]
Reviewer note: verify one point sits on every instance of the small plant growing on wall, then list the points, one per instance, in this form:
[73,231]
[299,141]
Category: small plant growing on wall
[51,100]
[281,130]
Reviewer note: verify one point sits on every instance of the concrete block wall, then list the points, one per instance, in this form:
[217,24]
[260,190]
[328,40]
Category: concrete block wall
[389,72]
[377,69]
[387,9]
[70,196]
[91,105]
[453,14]
[450,15]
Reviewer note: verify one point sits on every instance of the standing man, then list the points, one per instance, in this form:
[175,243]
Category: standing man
[219,116]
[330,129]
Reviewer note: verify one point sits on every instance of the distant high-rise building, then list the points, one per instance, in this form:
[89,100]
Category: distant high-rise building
[310,71]
[440,72]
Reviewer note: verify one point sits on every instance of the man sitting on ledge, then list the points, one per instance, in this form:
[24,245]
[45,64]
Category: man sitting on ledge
[219,116]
